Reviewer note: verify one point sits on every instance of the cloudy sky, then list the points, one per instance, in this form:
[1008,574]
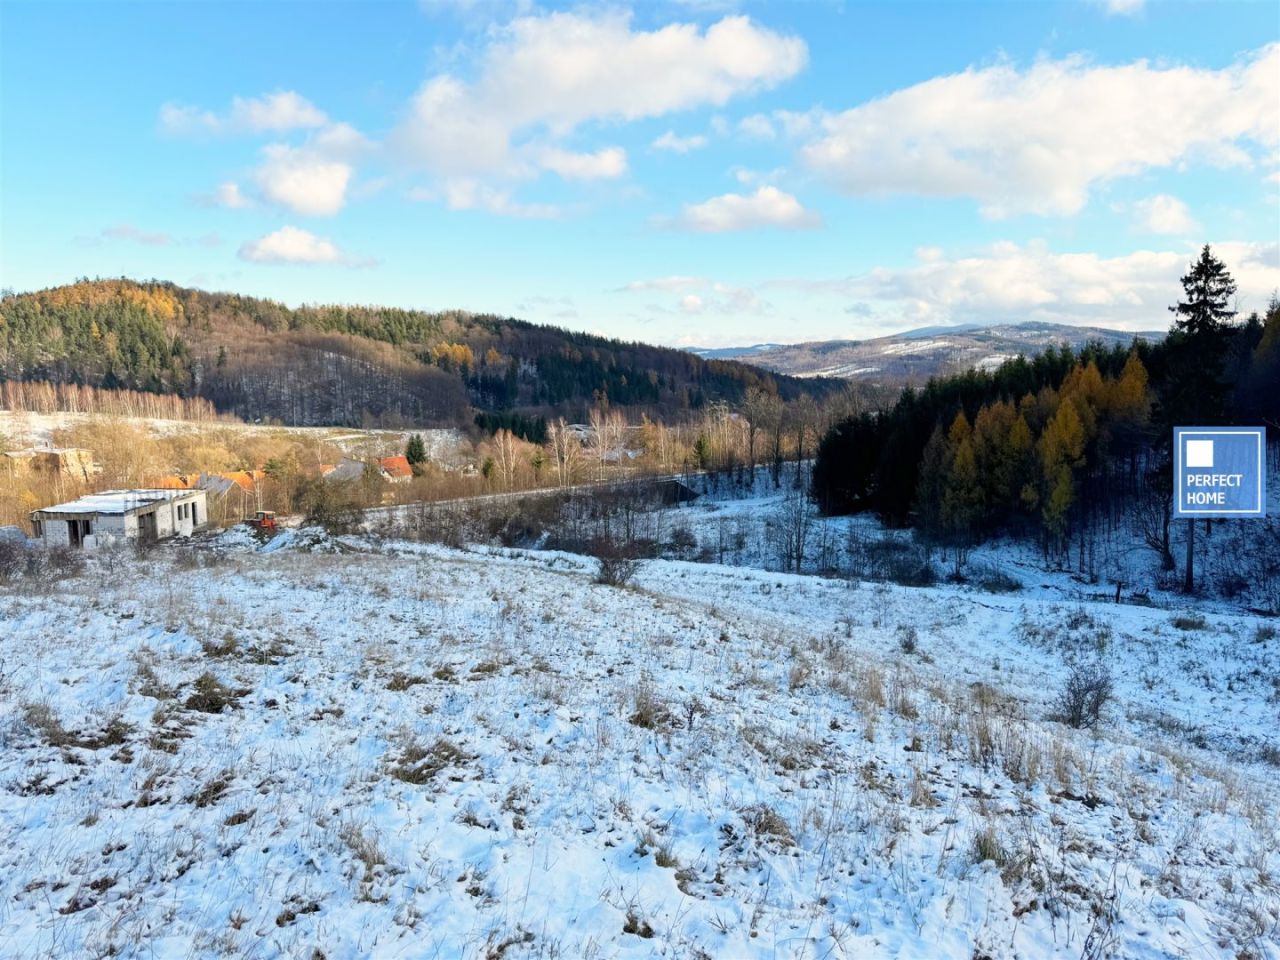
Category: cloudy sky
[697,172]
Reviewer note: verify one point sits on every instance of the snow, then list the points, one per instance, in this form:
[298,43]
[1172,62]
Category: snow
[38,429]
[116,501]
[481,752]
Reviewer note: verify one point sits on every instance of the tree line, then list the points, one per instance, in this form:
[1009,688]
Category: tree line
[351,365]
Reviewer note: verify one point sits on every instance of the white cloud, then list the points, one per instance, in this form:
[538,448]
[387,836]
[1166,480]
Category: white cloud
[758,126]
[603,164]
[293,245]
[767,207]
[543,76]
[129,233]
[1164,214]
[276,112]
[312,179]
[703,296]
[1038,140]
[1011,283]
[469,194]
[750,178]
[1124,8]
[227,195]
[148,238]
[738,299]
[674,143]
[666,283]
[305,181]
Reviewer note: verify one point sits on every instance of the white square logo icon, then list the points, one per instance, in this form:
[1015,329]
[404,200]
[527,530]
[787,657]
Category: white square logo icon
[1199,453]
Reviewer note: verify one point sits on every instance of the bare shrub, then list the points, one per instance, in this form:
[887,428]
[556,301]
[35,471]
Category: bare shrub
[1087,690]
[13,560]
[615,570]
[994,580]
[908,639]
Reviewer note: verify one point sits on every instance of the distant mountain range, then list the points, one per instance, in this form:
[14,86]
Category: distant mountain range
[916,355]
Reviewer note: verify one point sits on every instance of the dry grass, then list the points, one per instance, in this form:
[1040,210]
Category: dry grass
[766,823]
[419,763]
[42,720]
[648,711]
[211,695]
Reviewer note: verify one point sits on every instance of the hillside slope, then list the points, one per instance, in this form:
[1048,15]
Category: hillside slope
[347,365]
[917,355]
[412,751]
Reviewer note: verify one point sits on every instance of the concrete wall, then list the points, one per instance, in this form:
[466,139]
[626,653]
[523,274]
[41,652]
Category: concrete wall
[55,533]
[169,523]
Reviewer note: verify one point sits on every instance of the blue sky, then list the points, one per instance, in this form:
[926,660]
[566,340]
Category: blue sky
[686,173]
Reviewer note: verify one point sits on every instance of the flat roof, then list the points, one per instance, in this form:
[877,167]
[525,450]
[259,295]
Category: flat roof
[118,501]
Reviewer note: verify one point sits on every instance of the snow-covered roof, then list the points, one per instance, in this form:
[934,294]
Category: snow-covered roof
[118,501]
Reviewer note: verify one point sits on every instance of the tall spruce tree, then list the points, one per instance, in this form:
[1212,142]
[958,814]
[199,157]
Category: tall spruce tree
[1195,393]
[416,451]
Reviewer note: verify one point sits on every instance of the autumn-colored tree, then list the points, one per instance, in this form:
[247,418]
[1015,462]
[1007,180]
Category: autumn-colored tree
[1022,466]
[994,461]
[962,499]
[1061,450]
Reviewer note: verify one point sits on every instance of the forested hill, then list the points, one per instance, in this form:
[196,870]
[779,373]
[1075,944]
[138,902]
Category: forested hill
[349,365]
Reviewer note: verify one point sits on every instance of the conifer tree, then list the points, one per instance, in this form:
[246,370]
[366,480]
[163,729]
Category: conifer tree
[962,501]
[1061,451]
[1195,394]
[416,451]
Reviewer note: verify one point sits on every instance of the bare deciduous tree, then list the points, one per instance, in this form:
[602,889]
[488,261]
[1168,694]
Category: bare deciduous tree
[608,430]
[565,451]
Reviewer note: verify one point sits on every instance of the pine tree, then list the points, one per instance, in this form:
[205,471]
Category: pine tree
[1195,394]
[962,500]
[1209,289]
[416,451]
[932,486]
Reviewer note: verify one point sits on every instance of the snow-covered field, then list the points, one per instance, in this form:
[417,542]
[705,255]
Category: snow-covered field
[363,748]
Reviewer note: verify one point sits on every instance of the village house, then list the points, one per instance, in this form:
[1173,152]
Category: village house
[235,494]
[395,469]
[98,518]
[346,471]
[386,469]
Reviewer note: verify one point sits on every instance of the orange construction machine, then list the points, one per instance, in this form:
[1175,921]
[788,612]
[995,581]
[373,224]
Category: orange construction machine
[263,521]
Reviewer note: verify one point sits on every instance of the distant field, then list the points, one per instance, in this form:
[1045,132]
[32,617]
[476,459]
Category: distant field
[36,429]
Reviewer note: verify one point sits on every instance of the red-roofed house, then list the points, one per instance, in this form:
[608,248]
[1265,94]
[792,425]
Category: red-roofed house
[395,469]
